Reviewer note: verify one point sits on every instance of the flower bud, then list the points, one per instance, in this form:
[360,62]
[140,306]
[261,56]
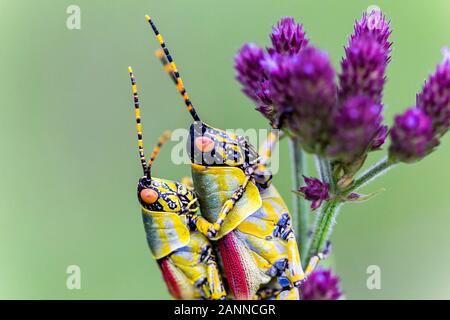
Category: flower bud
[315,191]
[363,69]
[411,136]
[374,24]
[249,71]
[288,36]
[321,285]
[303,86]
[357,124]
[366,57]
[434,99]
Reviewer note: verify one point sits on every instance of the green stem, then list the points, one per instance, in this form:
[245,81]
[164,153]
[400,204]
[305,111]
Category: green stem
[324,169]
[373,172]
[324,227]
[327,215]
[300,205]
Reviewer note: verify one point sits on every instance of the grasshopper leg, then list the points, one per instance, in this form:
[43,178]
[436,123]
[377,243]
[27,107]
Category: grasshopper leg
[294,269]
[312,264]
[215,285]
[280,290]
[227,207]
[289,294]
[262,174]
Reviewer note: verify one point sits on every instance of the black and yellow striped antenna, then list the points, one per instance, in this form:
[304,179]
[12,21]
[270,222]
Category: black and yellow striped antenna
[176,74]
[137,113]
[165,63]
[162,139]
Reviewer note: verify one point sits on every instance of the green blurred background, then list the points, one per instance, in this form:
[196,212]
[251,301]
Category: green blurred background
[69,160]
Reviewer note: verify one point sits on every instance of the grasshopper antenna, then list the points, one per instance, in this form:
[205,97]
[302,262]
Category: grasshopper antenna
[137,114]
[176,74]
[166,65]
[162,139]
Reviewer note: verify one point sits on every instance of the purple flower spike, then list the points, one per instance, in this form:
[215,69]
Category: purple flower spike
[363,69]
[303,86]
[315,191]
[434,99]
[288,36]
[249,70]
[358,123]
[412,136]
[374,24]
[321,285]
[366,57]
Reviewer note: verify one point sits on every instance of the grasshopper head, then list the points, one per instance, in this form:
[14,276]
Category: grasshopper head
[209,146]
[164,195]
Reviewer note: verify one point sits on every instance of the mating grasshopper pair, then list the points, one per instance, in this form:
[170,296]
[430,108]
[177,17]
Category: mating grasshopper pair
[242,215]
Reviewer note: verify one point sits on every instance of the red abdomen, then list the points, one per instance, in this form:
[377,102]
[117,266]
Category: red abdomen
[237,266]
[170,278]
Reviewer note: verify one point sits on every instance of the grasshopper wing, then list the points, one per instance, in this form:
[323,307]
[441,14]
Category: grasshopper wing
[166,232]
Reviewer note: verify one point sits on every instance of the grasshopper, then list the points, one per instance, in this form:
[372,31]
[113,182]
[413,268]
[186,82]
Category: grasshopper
[170,214]
[252,228]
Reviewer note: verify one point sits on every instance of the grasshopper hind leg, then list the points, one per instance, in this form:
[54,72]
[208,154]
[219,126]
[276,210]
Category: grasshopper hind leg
[294,270]
[312,264]
[278,289]
[215,285]
[176,280]
[198,263]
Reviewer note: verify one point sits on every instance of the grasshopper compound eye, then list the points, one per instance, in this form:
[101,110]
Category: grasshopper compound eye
[204,144]
[149,196]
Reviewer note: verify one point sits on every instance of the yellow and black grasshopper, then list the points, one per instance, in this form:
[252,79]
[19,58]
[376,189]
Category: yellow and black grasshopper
[170,215]
[252,227]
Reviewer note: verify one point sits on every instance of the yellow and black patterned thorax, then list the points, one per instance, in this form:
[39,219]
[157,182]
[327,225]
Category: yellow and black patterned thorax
[228,149]
[172,196]
[165,221]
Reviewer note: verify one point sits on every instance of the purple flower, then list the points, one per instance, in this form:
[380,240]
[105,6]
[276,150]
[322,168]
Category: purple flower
[411,136]
[269,112]
[303,87]
[278,69]
[434,99]
[264,94]
[358,123]
[363,69]
[321,285]
[288,36]
[265,104]
[315,191]
[366,57]
[249,69]
[380,138]
[374,24]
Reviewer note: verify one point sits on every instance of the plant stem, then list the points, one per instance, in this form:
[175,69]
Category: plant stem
[323,167]
[373,172]
[324,170]
[324,227]
[300,205]
[327,215]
